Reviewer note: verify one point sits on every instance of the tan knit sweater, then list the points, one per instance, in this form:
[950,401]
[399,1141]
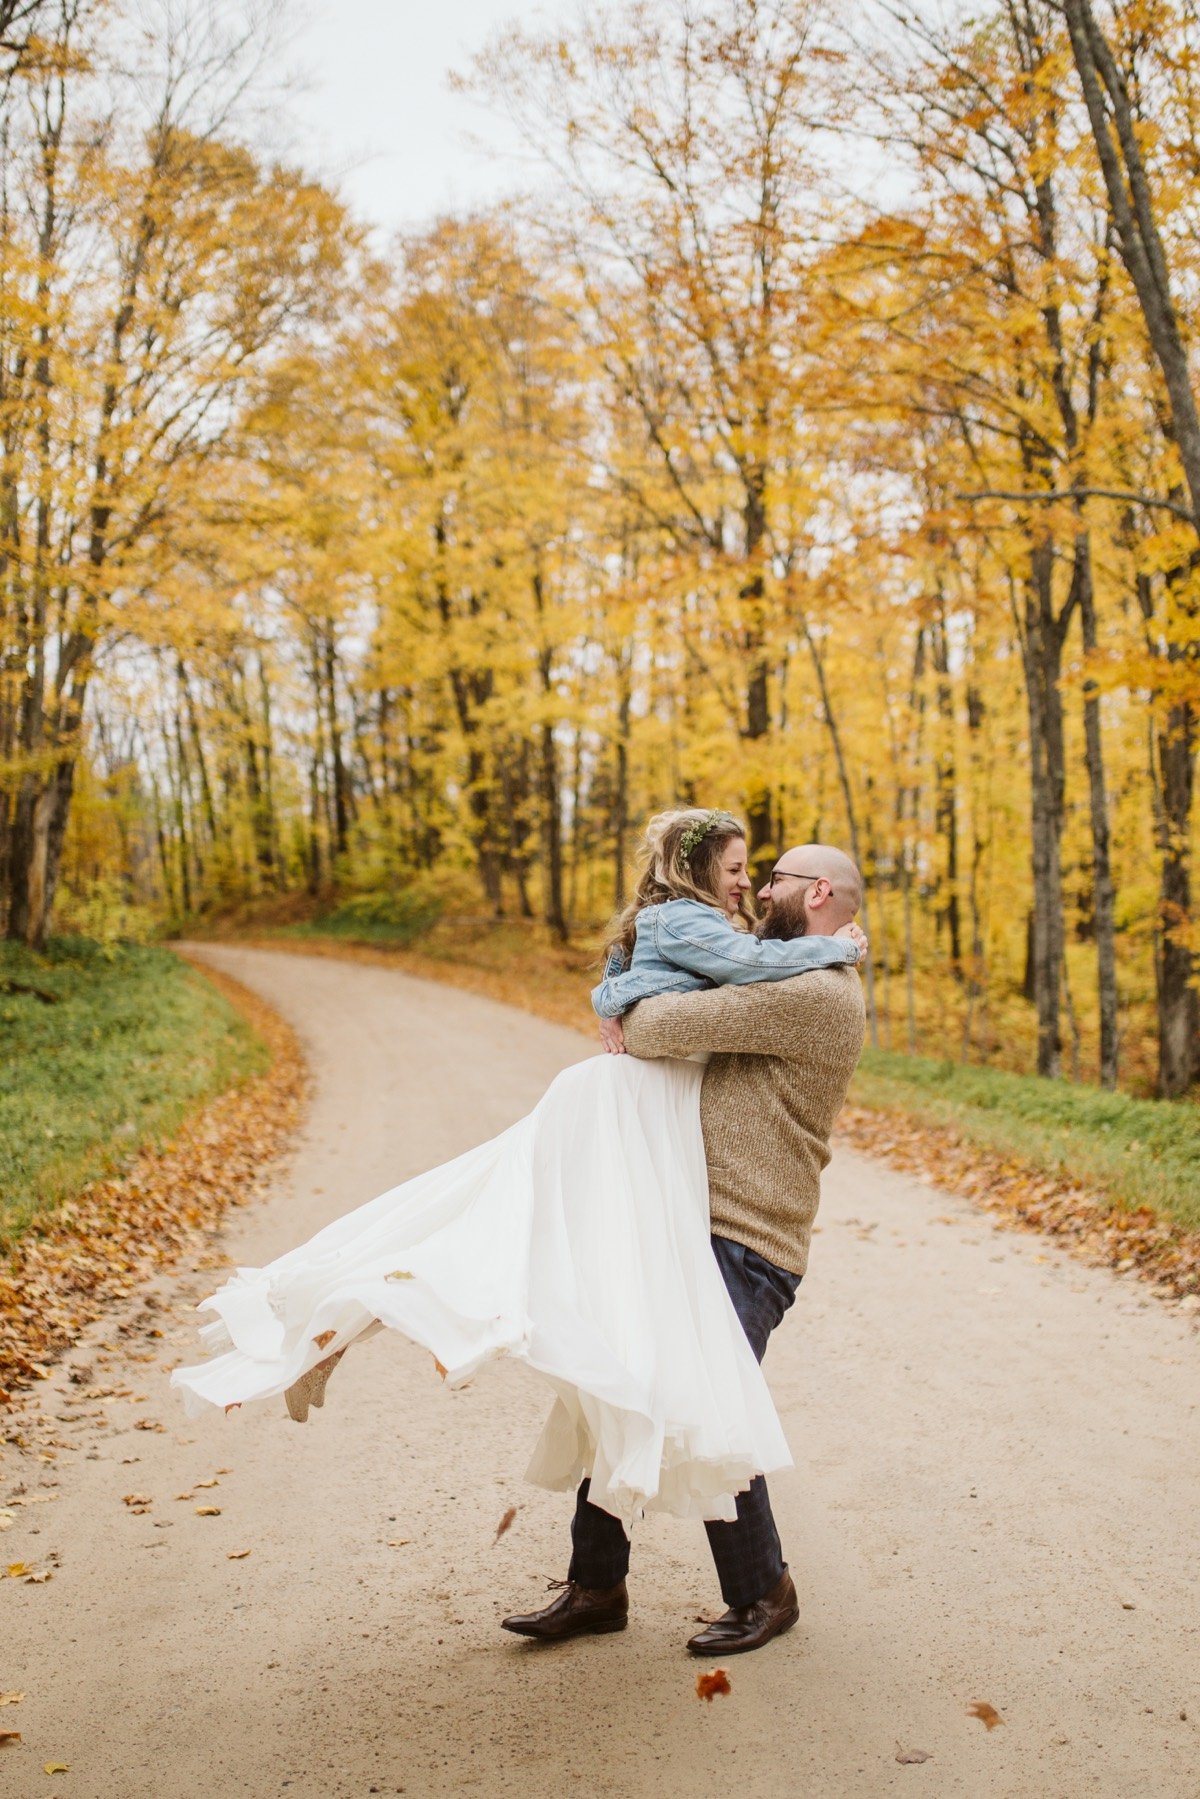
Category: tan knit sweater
[783,1054]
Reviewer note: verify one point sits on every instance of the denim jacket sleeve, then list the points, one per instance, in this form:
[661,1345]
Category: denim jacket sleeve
[695,937]
[618,992]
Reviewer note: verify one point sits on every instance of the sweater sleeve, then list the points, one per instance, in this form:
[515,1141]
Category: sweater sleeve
[696,938]
[762,1020]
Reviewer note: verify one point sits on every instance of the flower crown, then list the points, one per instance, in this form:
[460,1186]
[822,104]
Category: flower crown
[695,834]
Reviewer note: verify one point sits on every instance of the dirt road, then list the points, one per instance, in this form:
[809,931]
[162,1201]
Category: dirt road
[995,1499]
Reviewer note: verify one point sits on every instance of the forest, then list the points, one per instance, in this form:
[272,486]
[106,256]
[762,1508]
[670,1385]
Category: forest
[812,433]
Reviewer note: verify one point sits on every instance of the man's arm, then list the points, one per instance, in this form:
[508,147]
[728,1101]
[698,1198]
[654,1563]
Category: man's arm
[769,1019]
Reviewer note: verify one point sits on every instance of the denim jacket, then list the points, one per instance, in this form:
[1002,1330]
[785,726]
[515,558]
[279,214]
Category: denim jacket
[685,945]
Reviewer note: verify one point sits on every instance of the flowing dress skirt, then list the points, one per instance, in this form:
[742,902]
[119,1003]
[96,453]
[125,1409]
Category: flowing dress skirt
[578,1242]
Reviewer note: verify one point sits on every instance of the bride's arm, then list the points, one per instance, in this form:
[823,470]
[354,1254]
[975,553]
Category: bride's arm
[697,938]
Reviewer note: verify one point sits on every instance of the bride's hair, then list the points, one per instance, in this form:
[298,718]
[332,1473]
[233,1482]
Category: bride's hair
[680,858]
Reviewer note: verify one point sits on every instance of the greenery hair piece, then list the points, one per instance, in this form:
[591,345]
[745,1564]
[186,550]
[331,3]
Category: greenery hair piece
[695,836]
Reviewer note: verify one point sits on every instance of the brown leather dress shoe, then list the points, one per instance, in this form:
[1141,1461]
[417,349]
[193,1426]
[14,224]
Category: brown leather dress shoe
[745,1627]
[577,1612]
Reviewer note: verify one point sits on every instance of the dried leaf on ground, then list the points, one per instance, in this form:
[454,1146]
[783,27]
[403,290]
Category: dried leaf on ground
[149,1424]
[236,1555]
[913,1755]
[440,1367]
[200,1484]
[208,1511]
[987,1714]
[40,1578]
[17,1570]
[11,1698]
[505,1523]
[10,1736]
[56,1768]
[104,1245]
[136,1499]
[709,1685]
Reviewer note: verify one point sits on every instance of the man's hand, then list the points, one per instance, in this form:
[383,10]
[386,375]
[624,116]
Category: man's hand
[857,936]
[612,1036]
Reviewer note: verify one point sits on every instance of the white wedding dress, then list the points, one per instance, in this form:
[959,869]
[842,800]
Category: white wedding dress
[577,1242]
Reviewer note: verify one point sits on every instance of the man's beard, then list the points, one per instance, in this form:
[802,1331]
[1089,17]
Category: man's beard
[786,918]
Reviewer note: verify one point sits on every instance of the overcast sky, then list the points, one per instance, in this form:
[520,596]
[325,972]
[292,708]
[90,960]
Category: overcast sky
[374,112]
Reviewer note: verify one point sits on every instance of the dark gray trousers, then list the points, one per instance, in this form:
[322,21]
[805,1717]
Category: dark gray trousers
[747,1554]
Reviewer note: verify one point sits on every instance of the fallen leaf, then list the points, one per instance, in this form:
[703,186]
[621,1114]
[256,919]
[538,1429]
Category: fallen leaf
[57,1768]
[398,1274]
[236,1407]
[987,1714]
[399,1542]
[11,1698]
[10,1736]
[138,1499]
[39,1579]
[6,1519]
[913,1755]
[440,1368]
[505,1523]
[709,1685]
[183,1495]
[328,1336]
[208,1511]
[236,1555]
[149,1424]
[207,1483]
[224,1470]
[17,1570]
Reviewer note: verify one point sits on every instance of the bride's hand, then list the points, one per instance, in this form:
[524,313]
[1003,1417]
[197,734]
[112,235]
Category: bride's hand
[857,936]
[612,1036]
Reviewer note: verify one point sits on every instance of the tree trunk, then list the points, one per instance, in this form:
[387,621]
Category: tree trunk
[1103,893]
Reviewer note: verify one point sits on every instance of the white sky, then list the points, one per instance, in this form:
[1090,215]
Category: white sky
[374,113]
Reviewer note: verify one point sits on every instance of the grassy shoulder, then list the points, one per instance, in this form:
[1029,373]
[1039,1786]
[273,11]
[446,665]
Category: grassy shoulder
[1134,1152]
[105,1050]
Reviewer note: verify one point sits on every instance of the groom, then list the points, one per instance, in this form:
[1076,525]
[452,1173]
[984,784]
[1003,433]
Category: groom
[782,1056]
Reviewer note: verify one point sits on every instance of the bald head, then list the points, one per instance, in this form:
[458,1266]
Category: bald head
[820,879]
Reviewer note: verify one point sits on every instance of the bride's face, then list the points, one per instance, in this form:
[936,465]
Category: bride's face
[733,881]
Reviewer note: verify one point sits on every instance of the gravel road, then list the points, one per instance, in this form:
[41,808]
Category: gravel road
[995,1501]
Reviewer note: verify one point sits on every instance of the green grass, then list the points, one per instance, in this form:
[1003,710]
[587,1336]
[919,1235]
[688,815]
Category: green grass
[395,918]
[124,1044]
[1134,1151]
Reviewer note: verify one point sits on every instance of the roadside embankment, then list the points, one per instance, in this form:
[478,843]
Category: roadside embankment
[138,1098]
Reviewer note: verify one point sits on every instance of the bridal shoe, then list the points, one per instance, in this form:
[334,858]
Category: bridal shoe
[745,1627]
[310,1388]
[578,1611]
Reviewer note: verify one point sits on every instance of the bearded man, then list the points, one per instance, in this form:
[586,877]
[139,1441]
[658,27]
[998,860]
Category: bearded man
[781,1057]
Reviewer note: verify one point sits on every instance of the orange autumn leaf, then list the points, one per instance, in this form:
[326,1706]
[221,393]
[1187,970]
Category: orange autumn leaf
[10,1736]
[324,1338]
[440,1367]
[709,1685]
[987,1714]
[505,1523]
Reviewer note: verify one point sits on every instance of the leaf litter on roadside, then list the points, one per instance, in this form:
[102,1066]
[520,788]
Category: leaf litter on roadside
[104,1245]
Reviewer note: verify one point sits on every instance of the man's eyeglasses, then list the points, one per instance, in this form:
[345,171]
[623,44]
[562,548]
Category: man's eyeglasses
[786,874]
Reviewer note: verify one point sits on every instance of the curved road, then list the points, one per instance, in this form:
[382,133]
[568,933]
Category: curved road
[995,1500]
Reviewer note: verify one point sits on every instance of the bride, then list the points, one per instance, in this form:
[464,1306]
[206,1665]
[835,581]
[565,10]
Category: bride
[577,1241]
